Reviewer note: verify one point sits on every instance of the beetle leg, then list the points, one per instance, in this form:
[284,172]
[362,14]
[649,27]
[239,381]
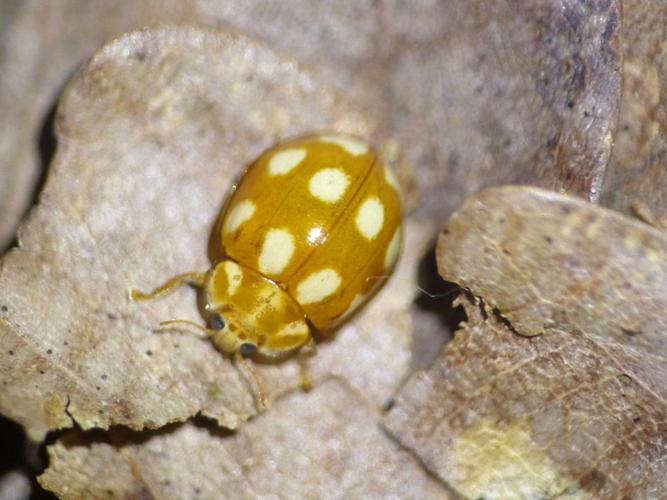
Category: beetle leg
[196,279]
[308,350]
[260,399]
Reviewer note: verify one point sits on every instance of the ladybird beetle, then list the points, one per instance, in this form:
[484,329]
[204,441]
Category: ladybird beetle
[310,232]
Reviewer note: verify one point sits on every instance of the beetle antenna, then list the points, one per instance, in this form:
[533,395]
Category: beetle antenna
[425,292]
[184,322]
[438,295]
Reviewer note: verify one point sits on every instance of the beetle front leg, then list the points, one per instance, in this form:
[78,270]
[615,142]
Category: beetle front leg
[306,352]
[195,279]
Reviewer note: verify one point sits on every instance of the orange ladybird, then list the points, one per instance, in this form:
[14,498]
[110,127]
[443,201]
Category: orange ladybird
[310,232]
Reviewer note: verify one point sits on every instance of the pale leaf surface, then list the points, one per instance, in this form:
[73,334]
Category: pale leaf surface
[636,172]
[556,384]
[152,133]
[323,444]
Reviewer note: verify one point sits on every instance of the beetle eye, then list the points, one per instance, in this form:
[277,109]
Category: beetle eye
[217,322]
[248,348]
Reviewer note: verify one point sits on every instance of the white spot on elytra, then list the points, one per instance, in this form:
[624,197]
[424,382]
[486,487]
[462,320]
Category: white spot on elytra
[318,286]
[239,214]
[392,250]
[350,144]
[286,160]
[370,218]
[277,251]
[390,176]
[234,276]
[298,327]
[329,184]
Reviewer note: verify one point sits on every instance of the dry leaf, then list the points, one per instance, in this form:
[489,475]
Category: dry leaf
[152,133]
[42,43]
[297,450]
[510,95]
[636,172]
[549,262]
[579,409]
[476,93]
[505,416]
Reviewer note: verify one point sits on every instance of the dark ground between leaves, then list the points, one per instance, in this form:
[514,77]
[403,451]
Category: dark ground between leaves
[18,453]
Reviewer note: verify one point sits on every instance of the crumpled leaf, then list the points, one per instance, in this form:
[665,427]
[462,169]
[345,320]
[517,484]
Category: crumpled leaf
[298,450]
[511,95]
[477,93]
[579,408]
[417,67]
[636,172]
[549,262]
[152,133]
[41,45]
[533,418]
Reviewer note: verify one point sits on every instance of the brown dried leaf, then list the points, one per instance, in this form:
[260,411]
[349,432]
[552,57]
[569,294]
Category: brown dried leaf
[581,406]
[41,44]
[297,450]
[510,95]
[476,93]
[636,172]
[503,416]
[152,133]
[550,262]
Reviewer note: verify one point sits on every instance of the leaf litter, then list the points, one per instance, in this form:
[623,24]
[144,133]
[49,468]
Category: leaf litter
[434,148]
[566,394]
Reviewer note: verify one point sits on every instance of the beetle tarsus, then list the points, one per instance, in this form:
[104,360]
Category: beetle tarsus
[306,352]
